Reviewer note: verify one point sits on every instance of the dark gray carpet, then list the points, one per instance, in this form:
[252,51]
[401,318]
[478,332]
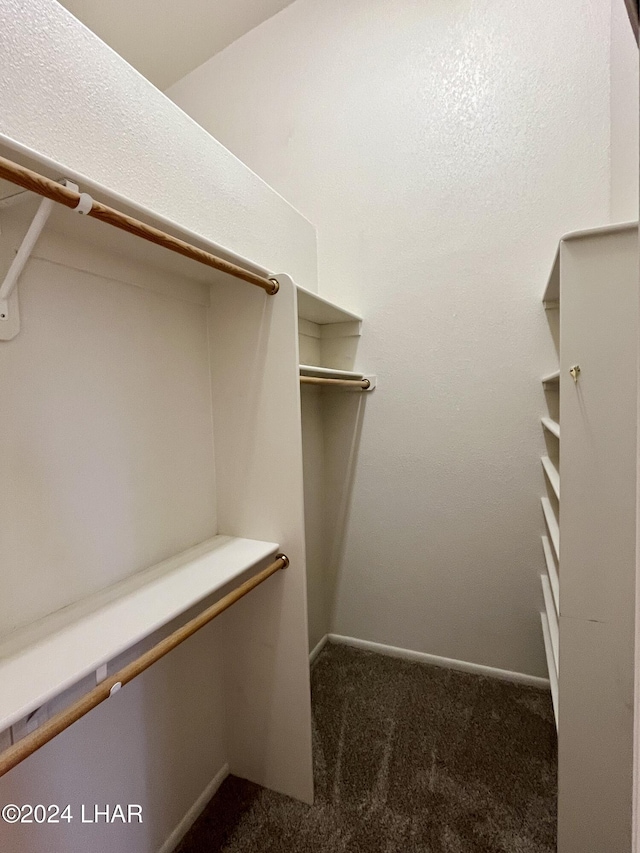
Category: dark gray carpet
[408,759]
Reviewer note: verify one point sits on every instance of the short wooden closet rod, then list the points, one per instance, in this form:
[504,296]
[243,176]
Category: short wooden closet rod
[61,721]
[36,183]
[362,384]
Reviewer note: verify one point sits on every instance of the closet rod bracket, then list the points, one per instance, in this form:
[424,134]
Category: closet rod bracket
[372,380]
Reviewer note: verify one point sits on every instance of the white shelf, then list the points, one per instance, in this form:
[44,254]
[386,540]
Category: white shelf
[552,525]
[328,372]
[552,290]
[551,296]
[552,572]
[553,675]
[552,426]
[40,661]
[552,475]
[552,620]
[553,379]
[317,310]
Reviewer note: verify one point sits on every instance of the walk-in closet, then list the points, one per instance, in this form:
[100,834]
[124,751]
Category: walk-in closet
[308,310]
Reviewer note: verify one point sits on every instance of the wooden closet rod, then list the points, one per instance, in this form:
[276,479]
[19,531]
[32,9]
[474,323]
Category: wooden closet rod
[43,186]
[61,721]
[362,384]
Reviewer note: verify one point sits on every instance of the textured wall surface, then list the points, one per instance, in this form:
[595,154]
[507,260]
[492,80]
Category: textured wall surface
[69,96]
[441,149]
[164,41]
[624,116]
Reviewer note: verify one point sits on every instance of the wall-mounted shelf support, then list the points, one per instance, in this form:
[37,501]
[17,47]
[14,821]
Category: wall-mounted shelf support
[9,310]
[9,305]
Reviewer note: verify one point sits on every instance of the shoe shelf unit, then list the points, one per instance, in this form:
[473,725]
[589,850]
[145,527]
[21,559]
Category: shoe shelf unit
[589,545]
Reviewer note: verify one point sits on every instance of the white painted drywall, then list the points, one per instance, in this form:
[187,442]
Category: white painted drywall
[441,149]
[107,414]
[164,41]
[69,96]
[624,116]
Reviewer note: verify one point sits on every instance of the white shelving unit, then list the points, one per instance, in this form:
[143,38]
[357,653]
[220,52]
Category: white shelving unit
[42,660]
[588,620]
[328,338]
[551,504]
[150,402]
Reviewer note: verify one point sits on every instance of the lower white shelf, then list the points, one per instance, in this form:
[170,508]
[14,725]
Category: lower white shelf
[42,660]
[553,675]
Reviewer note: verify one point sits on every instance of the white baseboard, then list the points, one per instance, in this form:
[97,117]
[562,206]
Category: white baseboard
[316,651]
[195,811]
[448,663]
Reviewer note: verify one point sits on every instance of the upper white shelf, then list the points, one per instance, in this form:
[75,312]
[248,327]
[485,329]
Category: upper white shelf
[552,379]
[552,290]
[41,660]
[317,310]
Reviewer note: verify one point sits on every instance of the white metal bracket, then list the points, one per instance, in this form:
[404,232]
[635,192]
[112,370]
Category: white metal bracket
[373,381]
[9,306]
[9,309]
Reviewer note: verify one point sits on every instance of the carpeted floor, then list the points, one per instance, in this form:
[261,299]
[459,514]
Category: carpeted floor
[408,759]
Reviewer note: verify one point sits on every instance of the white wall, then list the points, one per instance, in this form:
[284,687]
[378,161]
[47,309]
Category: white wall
[624,116]
[161,740]
[441,149]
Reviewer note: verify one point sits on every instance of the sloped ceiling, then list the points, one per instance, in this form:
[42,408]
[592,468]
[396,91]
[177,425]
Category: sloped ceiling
[166,39]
